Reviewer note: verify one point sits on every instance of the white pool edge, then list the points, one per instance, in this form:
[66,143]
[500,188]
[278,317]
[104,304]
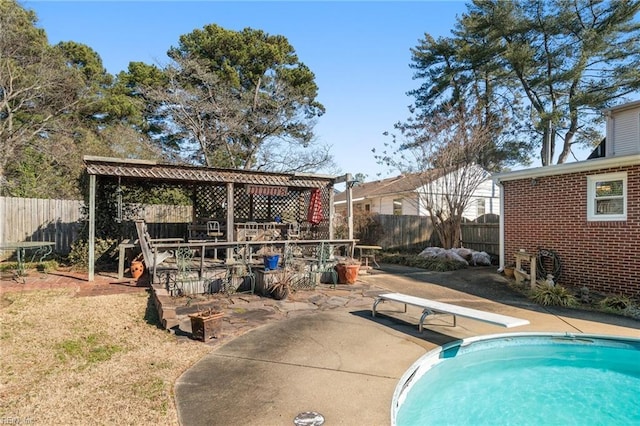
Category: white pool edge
[431,358]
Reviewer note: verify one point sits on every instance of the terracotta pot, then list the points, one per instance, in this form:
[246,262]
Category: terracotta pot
[347,274]
[137,269]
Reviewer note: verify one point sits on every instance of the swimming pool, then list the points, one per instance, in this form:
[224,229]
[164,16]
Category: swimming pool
[523,379]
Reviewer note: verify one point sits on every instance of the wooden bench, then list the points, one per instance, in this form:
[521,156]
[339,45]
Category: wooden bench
[431,306]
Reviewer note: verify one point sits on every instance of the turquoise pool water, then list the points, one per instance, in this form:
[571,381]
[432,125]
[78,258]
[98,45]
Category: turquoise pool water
[523,379]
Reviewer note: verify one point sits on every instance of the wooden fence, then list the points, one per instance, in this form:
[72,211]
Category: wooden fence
[32,219]
[416,232]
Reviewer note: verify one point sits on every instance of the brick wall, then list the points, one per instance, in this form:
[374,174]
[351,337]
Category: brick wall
[551,213]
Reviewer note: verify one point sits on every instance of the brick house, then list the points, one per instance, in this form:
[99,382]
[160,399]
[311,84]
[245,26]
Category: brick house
[587,212]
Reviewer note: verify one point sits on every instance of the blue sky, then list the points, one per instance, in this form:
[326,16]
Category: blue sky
[359,52]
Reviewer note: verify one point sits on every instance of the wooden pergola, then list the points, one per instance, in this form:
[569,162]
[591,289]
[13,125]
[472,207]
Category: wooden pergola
[229,195]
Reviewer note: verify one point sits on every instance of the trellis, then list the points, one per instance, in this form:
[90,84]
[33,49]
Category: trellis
[228,195]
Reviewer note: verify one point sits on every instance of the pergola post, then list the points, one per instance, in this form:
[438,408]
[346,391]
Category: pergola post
[348,180]
[230,213]
[92,226]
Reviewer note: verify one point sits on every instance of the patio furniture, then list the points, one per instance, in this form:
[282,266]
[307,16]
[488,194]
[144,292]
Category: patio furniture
[322,264]
[521,275]
[122,254]
[41,249]
[366,253]
[152,258]
[293,231]
[430,307]
[214,231]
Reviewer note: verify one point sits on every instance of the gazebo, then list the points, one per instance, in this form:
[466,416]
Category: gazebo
[237,200]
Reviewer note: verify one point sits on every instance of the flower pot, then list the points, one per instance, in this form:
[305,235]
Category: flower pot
[271,262]
[347,274]
[137,269]
[280,292]
[205,326]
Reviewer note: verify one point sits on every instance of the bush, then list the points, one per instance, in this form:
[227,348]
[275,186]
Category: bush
[439,265]
[79,254]
[616,303]
[552,295]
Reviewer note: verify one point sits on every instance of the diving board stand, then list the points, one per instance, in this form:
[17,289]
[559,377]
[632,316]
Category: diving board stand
[431,306]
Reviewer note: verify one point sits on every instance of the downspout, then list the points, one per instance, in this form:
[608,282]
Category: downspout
[501,237]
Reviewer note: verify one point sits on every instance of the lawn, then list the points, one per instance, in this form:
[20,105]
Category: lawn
[80,360]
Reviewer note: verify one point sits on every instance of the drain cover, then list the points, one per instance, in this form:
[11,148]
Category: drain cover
[309,418]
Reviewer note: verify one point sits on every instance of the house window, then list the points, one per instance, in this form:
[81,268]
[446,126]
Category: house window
[607,197]
[480,204]
[397,206]
[367,208]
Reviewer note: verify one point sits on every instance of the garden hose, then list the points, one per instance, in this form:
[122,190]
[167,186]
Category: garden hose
[548,262]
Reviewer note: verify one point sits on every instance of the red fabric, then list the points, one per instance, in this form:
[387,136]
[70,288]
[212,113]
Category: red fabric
[314,216]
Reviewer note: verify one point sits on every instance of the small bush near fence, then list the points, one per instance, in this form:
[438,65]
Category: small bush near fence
[439,265]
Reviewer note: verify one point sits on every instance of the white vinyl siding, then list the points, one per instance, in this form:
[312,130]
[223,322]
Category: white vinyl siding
[623,137]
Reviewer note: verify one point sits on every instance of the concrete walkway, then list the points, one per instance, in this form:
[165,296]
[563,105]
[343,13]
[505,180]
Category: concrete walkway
[335,359]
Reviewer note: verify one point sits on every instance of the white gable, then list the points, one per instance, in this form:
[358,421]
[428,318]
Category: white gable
[623,130]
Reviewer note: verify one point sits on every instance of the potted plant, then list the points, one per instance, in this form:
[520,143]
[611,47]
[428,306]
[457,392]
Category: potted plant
[280,285]
[348,270]
[206,324]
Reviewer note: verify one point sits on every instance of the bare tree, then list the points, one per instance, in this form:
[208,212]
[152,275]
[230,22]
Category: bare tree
[443,153]
[36,88]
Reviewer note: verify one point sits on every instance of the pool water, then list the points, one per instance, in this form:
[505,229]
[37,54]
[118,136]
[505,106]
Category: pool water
[524,379]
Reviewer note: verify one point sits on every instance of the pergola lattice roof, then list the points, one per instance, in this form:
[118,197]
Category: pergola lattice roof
[142,169]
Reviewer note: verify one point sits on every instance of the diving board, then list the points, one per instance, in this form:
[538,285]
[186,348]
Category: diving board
[431,306]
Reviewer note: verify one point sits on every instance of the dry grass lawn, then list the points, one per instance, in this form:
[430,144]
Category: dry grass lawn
[88,360]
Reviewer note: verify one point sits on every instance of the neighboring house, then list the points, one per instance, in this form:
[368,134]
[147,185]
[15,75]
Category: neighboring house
[401,195]
[588,212]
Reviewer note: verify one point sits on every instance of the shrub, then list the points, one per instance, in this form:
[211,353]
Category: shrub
[617,303]
[552,295]
[439,265]
[79,254]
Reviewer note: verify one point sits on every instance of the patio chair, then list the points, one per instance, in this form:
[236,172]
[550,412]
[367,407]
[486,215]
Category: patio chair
[293,231]
[214,231]
[323,265]
[239,271]
[147,248]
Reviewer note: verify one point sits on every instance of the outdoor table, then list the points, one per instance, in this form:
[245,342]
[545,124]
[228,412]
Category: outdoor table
[39,248]
[368,252]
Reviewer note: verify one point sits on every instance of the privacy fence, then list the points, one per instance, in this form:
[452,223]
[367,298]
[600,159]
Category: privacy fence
[61,221]
[416,233]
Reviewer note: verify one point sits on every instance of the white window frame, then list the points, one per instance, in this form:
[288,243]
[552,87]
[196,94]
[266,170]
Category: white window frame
[481,207]
[592,215]
[397,211]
